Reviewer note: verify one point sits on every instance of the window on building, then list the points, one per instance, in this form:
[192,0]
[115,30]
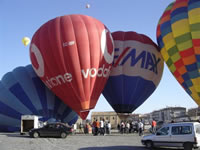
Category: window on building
[113,118]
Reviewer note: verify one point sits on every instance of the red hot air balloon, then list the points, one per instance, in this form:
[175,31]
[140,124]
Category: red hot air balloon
[73,55]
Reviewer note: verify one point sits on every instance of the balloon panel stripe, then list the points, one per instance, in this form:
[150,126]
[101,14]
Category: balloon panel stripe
[61,108]
[56,105]
[23,77]
[7,120]
[73,120]
[9,99]
[21,95]
[7,128]
[192,4]
[8,111]
[180,11]
[70,116]
[41,93]
[50,99]
[165,28]
[178,17]
[183,38]
[64,114]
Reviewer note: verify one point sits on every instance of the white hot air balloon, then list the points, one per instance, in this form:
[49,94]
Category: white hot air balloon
[88,6]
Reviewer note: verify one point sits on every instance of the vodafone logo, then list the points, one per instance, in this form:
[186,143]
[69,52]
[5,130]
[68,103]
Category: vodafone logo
[105,48]
[37,60]
[93,72]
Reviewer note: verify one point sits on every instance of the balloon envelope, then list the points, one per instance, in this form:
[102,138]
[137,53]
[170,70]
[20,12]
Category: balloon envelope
[26,41]
[88,6]
[73,56]
[179,39]
[23,93]
[136,72]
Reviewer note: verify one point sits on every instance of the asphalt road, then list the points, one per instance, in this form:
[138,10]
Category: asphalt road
[15,141]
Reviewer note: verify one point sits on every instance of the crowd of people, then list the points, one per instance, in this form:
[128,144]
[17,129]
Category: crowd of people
[131,127]
[102,127]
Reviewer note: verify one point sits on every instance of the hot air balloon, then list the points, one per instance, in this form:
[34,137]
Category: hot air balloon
[179,39]
[26,41]
[136,72]
[23,93]
[73,55]
[88,6]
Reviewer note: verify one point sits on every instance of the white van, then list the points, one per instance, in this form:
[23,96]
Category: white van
[183,134]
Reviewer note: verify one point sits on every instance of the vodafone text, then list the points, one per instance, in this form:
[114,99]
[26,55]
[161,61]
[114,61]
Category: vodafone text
[93,72]
[148,60]
[67,77]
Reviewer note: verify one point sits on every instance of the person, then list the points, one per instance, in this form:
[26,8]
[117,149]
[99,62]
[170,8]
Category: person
[127,127]
[153,126]
[140,128]
[102,132]
[74,128]
[118,127]
[109,127]
[97,127]
[122,127]
[94,127]
[81,128]
[86,128]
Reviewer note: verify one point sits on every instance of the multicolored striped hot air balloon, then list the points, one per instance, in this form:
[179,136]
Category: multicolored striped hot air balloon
[178,35]
[23,93]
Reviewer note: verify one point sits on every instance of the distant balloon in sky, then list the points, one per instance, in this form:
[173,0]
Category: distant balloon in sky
[23,93]
[74,59]
[178,35]
[26,41]
[136,72]
[88,6]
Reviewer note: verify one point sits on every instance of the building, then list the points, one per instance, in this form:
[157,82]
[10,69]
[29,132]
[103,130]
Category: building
[156,115]
[168,114]
[113,117]
[146,118]
[164,115]
[194,113]
[135,117]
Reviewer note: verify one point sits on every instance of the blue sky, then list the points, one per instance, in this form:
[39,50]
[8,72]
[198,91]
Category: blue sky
[19,18]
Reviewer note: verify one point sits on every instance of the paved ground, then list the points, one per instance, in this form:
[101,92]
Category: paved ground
[15,141]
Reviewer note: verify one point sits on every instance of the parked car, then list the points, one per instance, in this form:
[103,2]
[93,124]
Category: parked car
[52,130]
[183,134]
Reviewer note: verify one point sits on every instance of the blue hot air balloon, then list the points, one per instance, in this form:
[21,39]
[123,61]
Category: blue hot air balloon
[23,93]
[136,72]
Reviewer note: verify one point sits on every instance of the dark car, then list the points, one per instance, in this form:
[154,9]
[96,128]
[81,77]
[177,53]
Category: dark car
[52,130]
